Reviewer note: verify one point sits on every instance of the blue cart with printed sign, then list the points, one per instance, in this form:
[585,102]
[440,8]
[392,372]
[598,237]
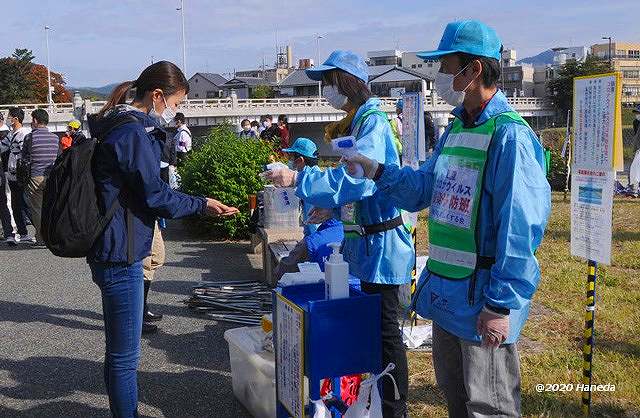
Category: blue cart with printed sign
[319,339]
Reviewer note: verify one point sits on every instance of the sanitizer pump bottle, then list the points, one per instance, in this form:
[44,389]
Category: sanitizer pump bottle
[336,274]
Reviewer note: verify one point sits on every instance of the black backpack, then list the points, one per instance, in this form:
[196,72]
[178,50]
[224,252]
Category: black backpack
[71,218]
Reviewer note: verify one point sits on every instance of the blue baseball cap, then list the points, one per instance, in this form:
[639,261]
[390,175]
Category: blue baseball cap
[344,60]
[304,147]
[468,36]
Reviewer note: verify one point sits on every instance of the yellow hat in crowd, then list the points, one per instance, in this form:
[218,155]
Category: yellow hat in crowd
[74,124]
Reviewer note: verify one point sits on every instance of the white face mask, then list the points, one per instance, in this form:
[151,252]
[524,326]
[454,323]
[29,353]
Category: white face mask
[444,88]
[167,115]
[336,99]
[638,117]
[246,128]
[266,124]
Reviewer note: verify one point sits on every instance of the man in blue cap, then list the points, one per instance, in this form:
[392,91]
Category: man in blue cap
[489,202]
[320,226]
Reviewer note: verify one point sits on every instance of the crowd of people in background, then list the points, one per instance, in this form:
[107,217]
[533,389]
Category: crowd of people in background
[277,133]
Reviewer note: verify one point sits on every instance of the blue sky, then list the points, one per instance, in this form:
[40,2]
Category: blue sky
[95,42]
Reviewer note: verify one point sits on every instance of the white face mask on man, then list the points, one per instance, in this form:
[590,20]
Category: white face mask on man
[638,116]
[444,87]
[336,99]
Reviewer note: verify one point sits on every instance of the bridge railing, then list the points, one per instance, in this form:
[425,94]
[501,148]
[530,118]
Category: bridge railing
[281,104]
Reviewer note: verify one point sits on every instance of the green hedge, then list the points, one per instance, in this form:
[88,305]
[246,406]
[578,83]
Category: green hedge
[226,168]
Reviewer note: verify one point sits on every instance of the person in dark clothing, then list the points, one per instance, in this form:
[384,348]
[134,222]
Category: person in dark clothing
[283,131]
[271,133]
[11,149]
[127,168]
[5,214]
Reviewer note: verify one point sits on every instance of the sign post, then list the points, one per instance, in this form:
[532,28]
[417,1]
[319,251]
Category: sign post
[413,152]
[597,154]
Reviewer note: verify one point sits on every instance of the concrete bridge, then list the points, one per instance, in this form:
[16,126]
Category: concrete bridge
[300,110]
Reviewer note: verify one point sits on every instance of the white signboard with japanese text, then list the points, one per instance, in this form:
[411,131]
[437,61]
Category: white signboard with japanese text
[289,346]
[597,153]
[591,211]
[596,123]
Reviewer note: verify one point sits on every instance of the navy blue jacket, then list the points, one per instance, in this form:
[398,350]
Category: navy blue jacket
[126,166]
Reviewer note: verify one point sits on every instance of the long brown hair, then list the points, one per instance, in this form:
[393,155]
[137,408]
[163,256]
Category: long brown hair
[163,75]
[351,86]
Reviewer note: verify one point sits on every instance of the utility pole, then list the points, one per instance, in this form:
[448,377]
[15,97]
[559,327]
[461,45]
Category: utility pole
[184,42]
[49,93]
[609,38]
[318,37]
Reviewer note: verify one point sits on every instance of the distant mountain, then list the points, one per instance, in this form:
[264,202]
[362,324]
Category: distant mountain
[543,58]
[97,92]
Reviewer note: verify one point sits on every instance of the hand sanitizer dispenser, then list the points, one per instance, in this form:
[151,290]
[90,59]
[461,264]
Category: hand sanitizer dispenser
[336,274]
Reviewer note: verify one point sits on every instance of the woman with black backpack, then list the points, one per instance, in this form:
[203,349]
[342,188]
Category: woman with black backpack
[126,168]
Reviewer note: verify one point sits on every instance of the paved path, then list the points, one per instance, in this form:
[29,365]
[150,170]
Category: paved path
[52,340]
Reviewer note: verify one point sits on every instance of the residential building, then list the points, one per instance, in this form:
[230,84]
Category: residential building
[412,62]
[243,87]
[517,80]
[397,81]
[271,75]
[542,74]
[297,84]
[383,61]
[205,86]
[509,57]
[562,55]
[385,57]
[625,58]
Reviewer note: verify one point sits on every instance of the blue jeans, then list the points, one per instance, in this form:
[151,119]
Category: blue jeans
[122,299]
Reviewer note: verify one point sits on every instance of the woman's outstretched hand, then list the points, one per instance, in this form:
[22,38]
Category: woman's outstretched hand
[217,208]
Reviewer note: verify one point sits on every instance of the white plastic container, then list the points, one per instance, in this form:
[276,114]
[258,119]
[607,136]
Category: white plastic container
[336,274]
[252,371]
[281,208]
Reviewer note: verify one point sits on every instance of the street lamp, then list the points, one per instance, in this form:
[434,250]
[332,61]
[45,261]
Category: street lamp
[49,93]
[318,37]
[609,38]
[184,43]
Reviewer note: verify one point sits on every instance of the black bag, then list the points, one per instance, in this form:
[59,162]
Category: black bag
[71,218]
[23,164]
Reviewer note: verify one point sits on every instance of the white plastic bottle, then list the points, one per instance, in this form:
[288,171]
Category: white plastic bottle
[336,274]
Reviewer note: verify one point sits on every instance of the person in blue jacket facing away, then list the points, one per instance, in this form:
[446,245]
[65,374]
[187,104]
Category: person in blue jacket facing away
[489,203]
[320,226]
[377,245]
[126,167]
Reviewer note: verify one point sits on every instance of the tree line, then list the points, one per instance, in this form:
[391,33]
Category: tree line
[23,81]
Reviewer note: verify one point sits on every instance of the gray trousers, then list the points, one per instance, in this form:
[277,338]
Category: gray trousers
[477,381]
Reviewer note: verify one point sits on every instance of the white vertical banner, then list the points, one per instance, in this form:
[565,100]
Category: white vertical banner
[413,145]
[596,155]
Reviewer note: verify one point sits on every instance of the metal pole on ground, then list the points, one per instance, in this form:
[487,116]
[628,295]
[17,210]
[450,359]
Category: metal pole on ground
[49,94]
[589,338]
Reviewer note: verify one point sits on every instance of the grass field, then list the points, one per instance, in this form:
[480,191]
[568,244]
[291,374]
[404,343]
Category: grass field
[551,346]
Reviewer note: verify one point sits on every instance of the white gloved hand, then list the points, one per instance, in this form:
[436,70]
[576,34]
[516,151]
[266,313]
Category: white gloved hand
[368,165]
[492,327]
[282,177]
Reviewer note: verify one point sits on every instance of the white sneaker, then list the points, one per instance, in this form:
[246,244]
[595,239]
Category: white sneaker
[26,239]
